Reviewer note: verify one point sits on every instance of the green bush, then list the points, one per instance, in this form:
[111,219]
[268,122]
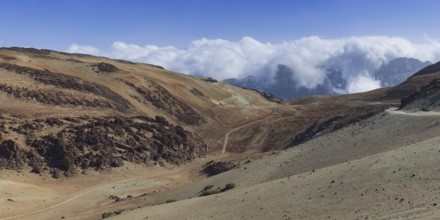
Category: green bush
[118,212]
[208,187]
[228,186]
[107,214]
[210,192]
[171,200]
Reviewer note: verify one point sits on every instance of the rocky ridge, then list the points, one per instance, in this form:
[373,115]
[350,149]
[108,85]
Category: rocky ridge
[95,143]
[427,98]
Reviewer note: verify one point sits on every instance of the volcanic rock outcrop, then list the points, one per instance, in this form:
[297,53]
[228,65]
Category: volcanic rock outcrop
[98,143]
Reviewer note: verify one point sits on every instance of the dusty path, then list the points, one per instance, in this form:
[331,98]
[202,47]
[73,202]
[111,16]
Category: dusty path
[225,143]
[96,192]
[47,208]
[275,111]
[395,111]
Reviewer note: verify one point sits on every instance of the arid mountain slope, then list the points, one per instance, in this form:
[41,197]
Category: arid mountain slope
[63,112]
[67,112]
[427,98]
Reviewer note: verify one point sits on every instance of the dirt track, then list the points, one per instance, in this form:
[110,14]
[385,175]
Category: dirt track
[225,144]
[417,113]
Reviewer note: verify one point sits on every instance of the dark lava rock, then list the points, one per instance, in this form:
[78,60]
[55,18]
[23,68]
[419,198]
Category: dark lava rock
[62,81]
[269,97]
[161,98]
[197,92]
[30,50]
[216,167]
[12,156]
[325,126]
[425,99]
[209,79]
[99,143]
[105,67]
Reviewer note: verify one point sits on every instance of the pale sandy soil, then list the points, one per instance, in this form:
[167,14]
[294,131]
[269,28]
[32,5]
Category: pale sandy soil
[384,168]
[29,196]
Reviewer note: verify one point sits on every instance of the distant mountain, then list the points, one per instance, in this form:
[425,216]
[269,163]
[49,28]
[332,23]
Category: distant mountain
[398,70]
[428,70]
[285,87]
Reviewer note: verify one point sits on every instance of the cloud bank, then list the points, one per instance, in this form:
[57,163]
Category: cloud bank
[356,57]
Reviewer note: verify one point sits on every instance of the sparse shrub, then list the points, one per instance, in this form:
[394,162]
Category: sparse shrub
[208,187]
[118,212]
[107,214]
[105,67]
[171,200]
[210,191]
[228,186]
[209,79]
[215,167]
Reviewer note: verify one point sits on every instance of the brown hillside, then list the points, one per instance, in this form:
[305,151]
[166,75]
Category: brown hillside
[68,112]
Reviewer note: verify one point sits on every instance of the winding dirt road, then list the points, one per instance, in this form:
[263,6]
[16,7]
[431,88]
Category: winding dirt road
[395,111]
[225,143]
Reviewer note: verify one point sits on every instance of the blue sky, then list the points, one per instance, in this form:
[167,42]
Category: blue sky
[234,38]
[56,24]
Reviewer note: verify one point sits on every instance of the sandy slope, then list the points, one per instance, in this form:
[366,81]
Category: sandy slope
[28,196]
[384,168]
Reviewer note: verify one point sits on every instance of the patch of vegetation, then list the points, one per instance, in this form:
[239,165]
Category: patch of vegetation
[216,167]
[228,186]
[105,67]
[171,200]
[208,187]
[209,79]
[107,214]
[118,212]
[110,214]
[210,190]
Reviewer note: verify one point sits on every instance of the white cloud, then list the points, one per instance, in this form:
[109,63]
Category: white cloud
[362,83]
[357,57]
[75,48]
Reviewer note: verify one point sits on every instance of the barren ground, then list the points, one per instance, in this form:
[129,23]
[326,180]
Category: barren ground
[383,168]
